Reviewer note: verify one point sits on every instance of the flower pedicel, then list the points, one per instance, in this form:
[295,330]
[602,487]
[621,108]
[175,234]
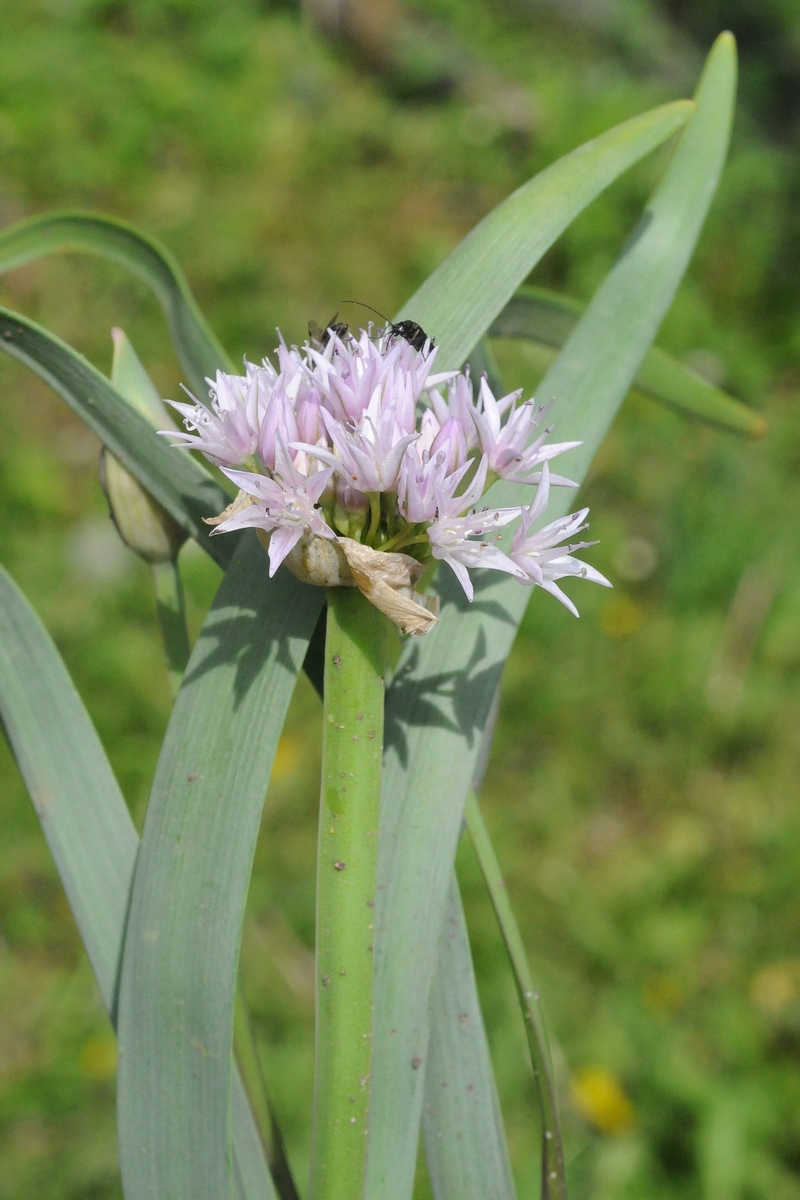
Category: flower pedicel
[358,466]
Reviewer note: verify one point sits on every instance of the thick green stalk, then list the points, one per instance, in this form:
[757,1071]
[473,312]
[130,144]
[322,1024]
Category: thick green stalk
[346,872]
[172,617]
[553,1177]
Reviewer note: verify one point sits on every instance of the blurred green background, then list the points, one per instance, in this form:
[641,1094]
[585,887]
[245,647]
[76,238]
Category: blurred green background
[643,789]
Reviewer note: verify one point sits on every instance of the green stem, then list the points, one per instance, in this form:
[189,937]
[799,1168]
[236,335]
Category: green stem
[172,617]
[400,536]
[409,541]
[346,871]
[553,1177]
[375,517]
[245,1050]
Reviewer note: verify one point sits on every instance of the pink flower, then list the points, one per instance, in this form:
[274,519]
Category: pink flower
[451,534]
[512,455]
[285,504]
[227,431]
[356,436]
[540,556]
[367,457]
[451,542]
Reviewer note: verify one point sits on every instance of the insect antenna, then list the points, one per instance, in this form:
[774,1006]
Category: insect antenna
[361,304]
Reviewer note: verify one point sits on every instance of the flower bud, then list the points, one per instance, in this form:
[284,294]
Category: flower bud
[144,526]
[141,522]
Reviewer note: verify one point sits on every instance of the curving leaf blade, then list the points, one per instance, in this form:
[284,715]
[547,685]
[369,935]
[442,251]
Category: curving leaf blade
[458,302]
[198,350]
[180,485]
[549,318]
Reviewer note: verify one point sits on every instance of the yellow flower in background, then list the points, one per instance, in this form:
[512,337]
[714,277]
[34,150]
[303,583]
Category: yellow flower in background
[98,1058]
[287,757]
[621,617]
[600,1097]
[776,986]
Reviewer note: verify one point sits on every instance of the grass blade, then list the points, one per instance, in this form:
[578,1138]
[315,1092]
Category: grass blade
[549,318]
[179,971]
[459,301]
[176,481]
[553,1178]
[465,1140]
[465,1144]
[198,350]
[86,821]
[442,692]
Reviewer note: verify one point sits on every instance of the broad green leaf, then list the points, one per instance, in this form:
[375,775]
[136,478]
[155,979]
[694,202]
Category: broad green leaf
[549,318]
[73,789]
[198,350]
[180,485]
[458,302]
[178,980]
[441,695]
[465,1145]
[86,821]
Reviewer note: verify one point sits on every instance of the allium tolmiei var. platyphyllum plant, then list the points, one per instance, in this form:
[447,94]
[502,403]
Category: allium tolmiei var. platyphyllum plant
[393,511]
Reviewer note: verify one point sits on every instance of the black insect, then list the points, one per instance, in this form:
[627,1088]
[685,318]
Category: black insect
[319,338]
[409,331]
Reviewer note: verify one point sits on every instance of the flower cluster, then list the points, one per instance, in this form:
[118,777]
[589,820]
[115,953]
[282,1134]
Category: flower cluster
[357,440]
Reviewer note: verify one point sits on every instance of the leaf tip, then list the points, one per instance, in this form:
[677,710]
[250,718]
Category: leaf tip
[726,39]
[724,48]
